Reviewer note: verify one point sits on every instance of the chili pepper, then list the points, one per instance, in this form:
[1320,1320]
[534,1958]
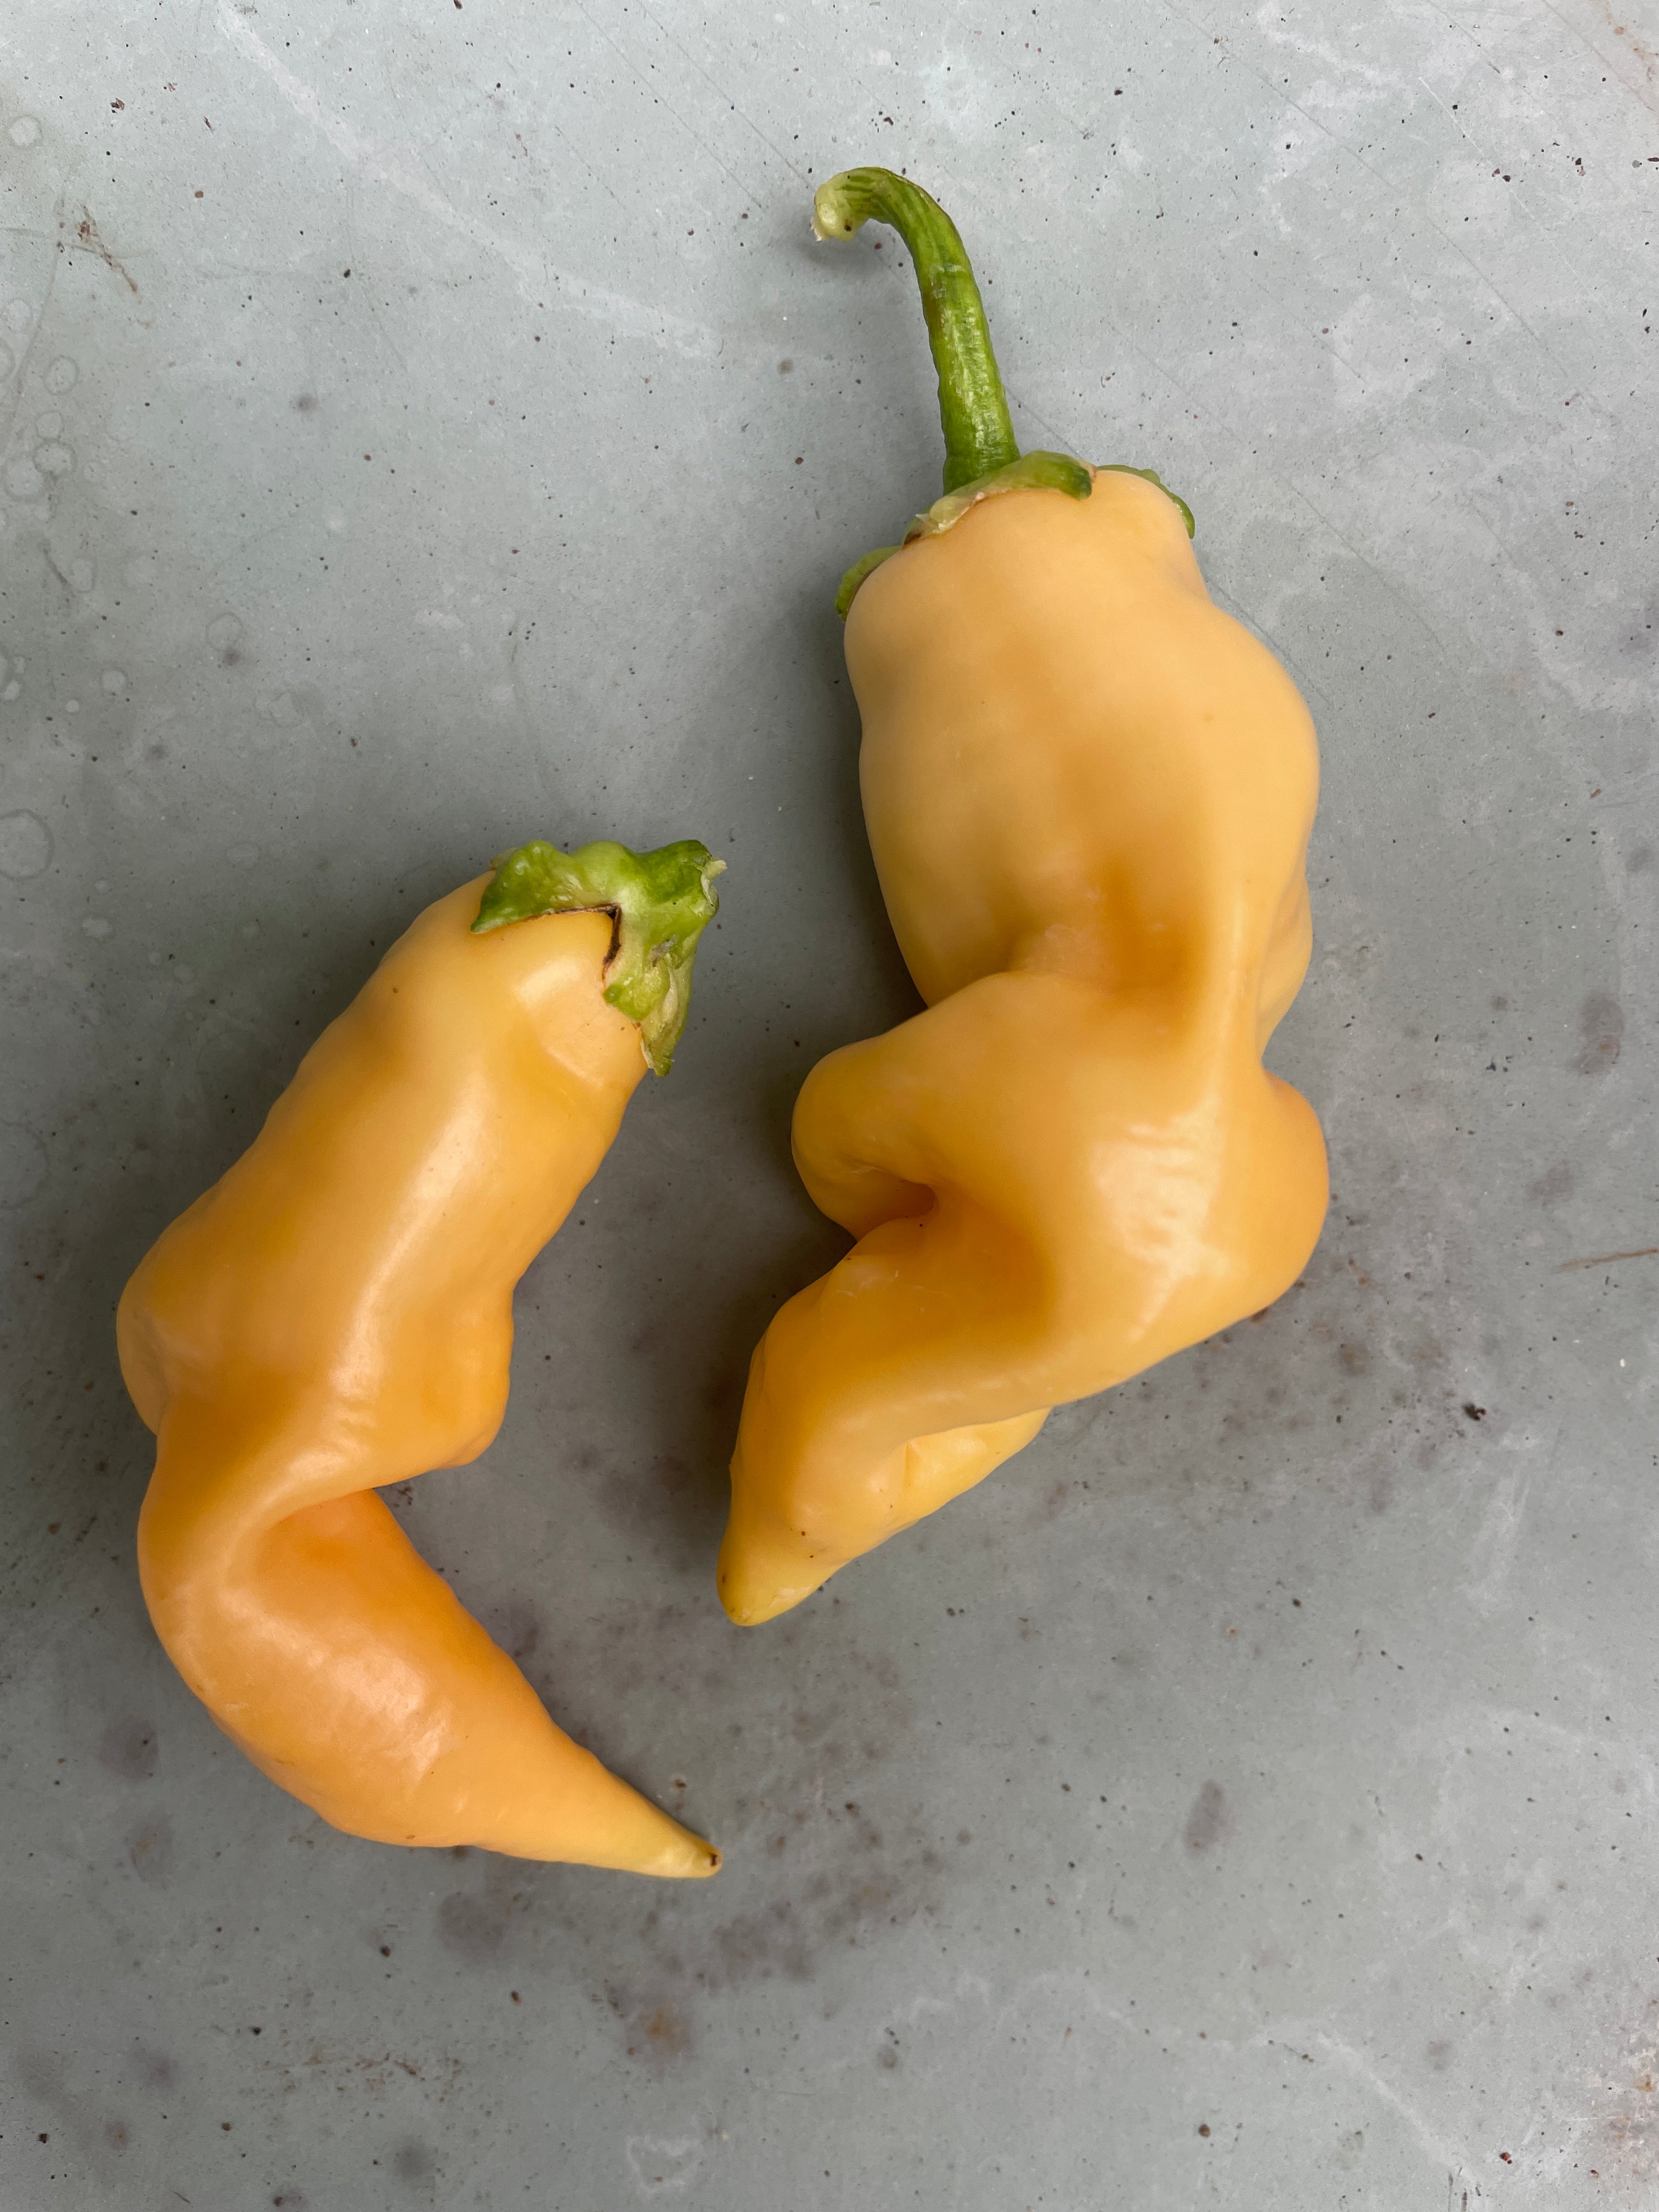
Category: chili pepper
[1089,794]
[336,1315]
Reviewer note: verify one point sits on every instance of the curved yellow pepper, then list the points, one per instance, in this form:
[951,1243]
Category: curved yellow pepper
[335,1314]
[1089,794]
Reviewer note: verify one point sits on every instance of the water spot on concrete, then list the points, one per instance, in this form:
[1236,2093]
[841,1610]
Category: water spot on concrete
[114,681]
[520,1632]
[672,1474]
[25,131]
[96,925]
[129,1748]
[474,1927]
[25,845]
[49,425]
[414,2164]
[153,2069]
[1602,1026]
[60,376]
[1210,1820]
[22,1163]
[279,706]
[54,459]
[223,632]
[1640,860]
[661,2167]
[1439,2055]
[22,479]
[305,403]
[19,315]
[150,1851]
[118,2135]
[1553,1185]
[1356,1357]
[1350,2149]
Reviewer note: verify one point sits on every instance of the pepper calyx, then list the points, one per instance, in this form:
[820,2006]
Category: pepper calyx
[660,905]
[1038,471]
[846,590]
[1152,476]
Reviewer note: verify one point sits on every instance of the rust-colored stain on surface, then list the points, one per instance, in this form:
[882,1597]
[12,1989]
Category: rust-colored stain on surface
[85,234]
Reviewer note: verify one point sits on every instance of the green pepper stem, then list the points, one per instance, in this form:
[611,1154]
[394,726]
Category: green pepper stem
[978,436]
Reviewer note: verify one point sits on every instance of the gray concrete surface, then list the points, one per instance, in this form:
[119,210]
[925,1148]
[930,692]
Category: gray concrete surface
[430,426]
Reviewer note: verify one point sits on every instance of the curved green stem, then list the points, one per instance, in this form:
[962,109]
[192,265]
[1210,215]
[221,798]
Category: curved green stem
[978,436]
[981,456]
[660,905]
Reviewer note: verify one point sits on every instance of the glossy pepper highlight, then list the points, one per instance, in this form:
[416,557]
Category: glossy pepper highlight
[1089,794]
[336,1313]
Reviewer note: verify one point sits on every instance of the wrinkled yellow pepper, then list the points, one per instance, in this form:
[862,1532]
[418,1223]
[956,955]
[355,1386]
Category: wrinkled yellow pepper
[1089,794]
[335,1314]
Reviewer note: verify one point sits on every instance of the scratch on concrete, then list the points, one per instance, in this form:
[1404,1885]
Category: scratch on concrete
[382,164]
[1646,57]
[1353,2062]
[1491,1555]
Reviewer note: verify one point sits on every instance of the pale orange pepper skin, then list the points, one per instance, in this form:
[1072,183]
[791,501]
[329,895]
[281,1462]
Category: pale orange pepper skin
[335,1314]
[1089,794]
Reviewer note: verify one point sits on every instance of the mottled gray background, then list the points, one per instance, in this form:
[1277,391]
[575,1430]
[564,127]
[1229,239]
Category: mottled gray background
[429,426]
